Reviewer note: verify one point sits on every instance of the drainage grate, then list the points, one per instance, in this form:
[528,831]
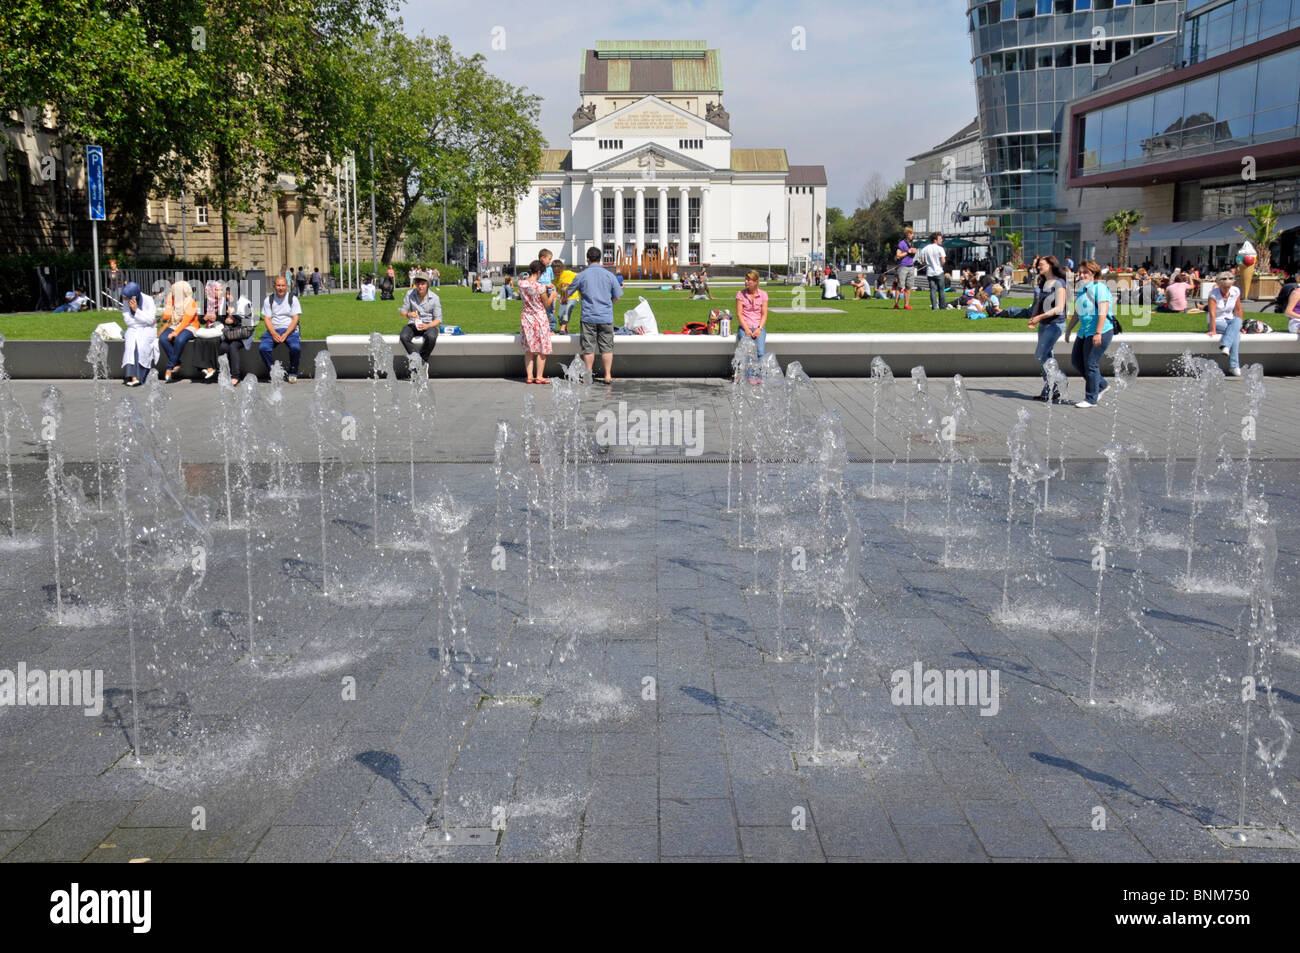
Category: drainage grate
[509,701]
[828,759]
[459,836]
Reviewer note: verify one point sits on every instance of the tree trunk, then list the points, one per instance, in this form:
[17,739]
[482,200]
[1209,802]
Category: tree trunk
[399,227]
[128,215]
[225,215]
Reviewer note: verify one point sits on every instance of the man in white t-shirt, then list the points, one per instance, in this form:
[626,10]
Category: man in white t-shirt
[831,287]
[933,257]
[281,312]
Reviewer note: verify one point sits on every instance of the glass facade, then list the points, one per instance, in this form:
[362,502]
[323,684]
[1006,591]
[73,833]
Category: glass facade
[1252,103]
[1031,58]
[1213,30]
[1238,198]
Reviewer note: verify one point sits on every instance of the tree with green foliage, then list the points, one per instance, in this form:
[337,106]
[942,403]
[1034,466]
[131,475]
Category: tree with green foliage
[240,89]
[441,125]
[1121,225]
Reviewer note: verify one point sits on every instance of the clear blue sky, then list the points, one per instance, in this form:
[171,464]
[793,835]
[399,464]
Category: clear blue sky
[878,82]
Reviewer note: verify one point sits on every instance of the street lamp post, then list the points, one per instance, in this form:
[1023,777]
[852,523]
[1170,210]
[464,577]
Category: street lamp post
[374,238]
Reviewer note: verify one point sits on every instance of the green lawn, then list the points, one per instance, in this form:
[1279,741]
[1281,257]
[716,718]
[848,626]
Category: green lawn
[343,314]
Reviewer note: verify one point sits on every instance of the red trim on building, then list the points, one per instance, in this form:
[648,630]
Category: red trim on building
[1267,155]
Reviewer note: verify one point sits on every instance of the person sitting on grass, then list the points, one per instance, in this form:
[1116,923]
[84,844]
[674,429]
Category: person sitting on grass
[977,305]
[993,303]
[1176,290]
[367,290]
[75,300]
[860,287]
[831,288]
[704,282]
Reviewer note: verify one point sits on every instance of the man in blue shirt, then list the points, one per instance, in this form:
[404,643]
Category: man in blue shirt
[599,289]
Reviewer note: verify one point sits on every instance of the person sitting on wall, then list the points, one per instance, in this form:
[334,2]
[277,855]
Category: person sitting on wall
[181,312]
[281,313]
[423,312]
[140,342]
[75,300]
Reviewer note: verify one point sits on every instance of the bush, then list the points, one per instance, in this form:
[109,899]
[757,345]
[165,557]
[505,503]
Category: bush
[450,273]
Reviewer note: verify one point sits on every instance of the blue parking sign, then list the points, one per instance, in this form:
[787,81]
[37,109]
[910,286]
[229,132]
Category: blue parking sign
[95,182]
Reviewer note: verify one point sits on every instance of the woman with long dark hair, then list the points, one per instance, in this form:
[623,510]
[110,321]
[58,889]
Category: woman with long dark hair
[1048,316]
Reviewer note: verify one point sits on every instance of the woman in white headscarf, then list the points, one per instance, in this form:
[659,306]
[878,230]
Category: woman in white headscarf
[140,343]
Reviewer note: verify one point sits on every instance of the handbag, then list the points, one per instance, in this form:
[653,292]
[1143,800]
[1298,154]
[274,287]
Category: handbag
[237,332]
[209,332]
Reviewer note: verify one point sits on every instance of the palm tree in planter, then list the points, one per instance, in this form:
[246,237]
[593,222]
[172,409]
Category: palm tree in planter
[1121,225]
[1017,242]
[1261,230]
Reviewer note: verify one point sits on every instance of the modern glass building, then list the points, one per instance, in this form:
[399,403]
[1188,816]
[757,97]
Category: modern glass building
[1218,128]
[1032,58]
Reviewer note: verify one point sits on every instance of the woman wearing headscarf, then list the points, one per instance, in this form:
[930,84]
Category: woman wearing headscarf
[140,342]
[181,312]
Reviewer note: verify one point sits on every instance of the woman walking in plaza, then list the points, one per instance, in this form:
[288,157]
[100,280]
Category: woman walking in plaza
[751,313]
[534,324]
[1048,316]
[1092,305]
[1224,314]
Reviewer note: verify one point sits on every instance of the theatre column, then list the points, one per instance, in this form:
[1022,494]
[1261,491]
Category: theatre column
[704,225]
[663,222]
[684,223]
[618,221]
[595,223]
[640,221]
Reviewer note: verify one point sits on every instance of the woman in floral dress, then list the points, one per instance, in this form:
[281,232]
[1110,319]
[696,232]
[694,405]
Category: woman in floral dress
[534,325]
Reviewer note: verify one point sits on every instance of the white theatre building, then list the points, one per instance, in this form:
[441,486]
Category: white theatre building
[650,166]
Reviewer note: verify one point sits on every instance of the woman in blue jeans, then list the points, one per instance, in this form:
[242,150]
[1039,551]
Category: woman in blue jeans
[1048,316]
[1225,315]
[1092,303]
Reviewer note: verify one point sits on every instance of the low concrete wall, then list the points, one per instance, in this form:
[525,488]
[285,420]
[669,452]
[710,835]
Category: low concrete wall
[666,355]
[39,360]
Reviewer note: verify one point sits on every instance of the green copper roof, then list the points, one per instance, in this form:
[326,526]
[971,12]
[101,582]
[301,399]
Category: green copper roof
[651,66]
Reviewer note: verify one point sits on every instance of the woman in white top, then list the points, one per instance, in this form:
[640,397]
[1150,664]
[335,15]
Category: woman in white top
[140,342]
[1224,315]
